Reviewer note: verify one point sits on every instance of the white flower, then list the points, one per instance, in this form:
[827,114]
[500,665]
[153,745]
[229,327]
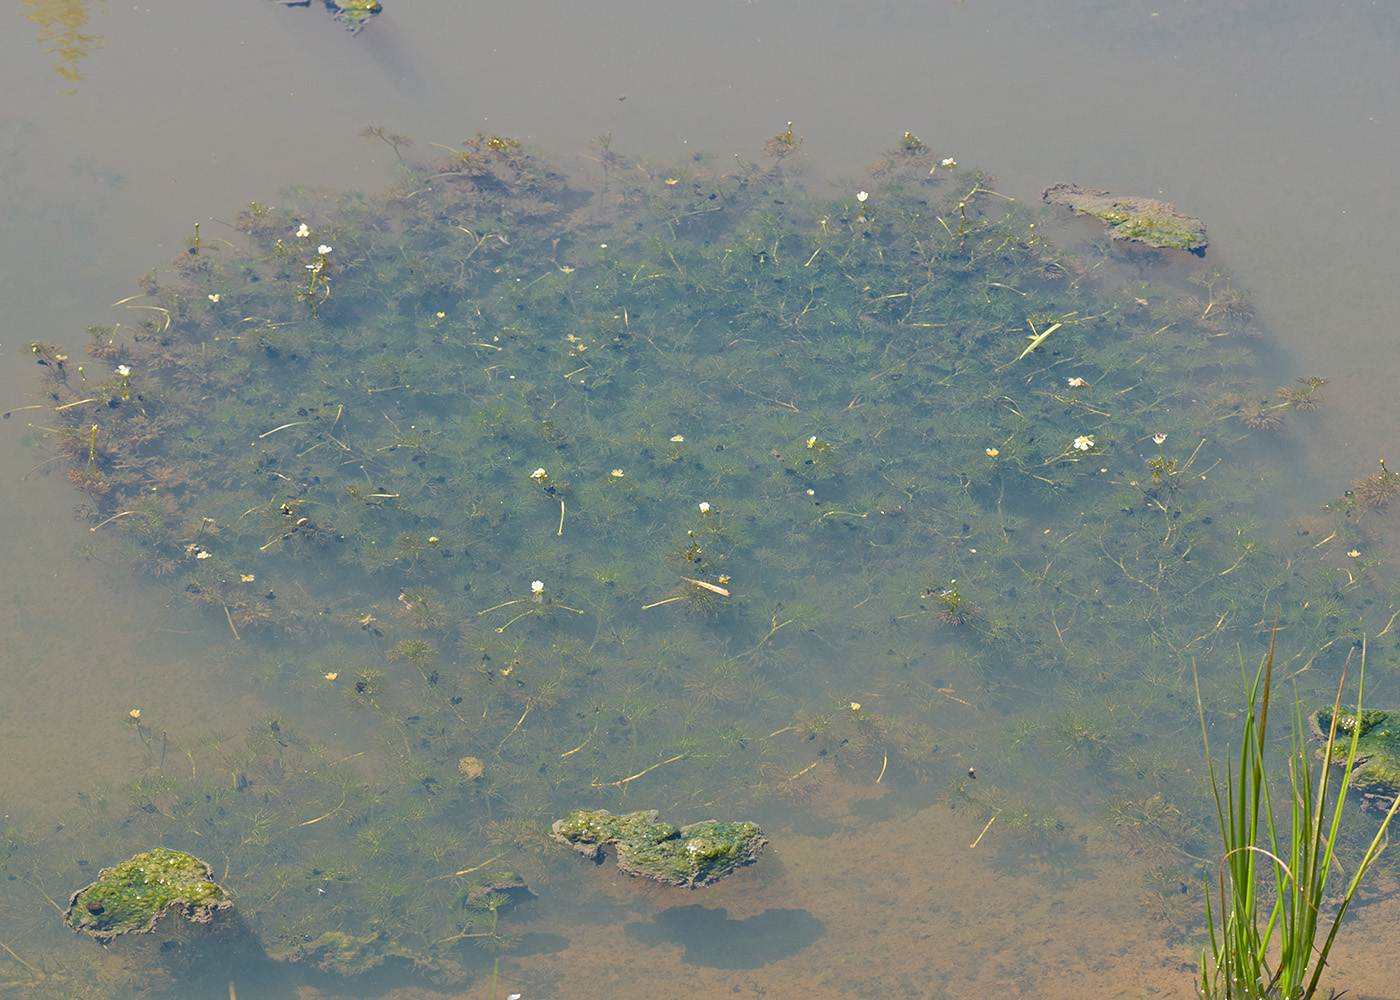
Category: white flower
[704,506]
[948,161]
[993,452]
[855,706]
[618,473]
[202,554]
[539,475]
[537,586]
[1159,437]
[677,439]
[1075,382]
[324,249]
[214,298]
[304,232]
[861,196]
[812,441]
[1084,442]
[123,370]
[1354,554]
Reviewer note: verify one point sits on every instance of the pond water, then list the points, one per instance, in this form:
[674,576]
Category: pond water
[582,452]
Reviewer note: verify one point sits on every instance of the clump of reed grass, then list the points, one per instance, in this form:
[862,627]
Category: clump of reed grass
[1260,951]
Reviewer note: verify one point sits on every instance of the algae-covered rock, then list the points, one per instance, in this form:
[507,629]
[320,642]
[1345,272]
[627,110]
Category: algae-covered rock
[1146,220]
[130,897]
[1375,775]
[354,14]
[691,856]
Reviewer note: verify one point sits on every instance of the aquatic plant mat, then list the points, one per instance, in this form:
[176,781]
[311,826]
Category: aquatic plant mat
[689,488]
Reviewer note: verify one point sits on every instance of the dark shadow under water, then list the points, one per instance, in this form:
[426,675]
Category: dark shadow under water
[712,938]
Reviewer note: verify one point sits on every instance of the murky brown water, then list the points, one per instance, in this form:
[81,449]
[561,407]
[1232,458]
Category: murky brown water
[1274,123]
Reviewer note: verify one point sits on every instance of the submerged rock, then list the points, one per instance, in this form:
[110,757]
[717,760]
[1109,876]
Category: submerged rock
[132,896]
[346,954]
[1146,220]
[691,856]
[1375,775]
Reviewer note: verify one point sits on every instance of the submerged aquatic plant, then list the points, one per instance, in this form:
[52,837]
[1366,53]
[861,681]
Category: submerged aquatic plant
[625,475]
[1278,951]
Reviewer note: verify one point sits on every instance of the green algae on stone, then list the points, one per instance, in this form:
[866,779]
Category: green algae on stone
[354,14]
[130,897]
[1375,775]
[695,855]
[1146,220]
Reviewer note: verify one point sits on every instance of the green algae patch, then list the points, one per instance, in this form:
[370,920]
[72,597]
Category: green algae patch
[355,14]
[691,856]
[132,896]
[347,954]
[1375,775]
[1145,220]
